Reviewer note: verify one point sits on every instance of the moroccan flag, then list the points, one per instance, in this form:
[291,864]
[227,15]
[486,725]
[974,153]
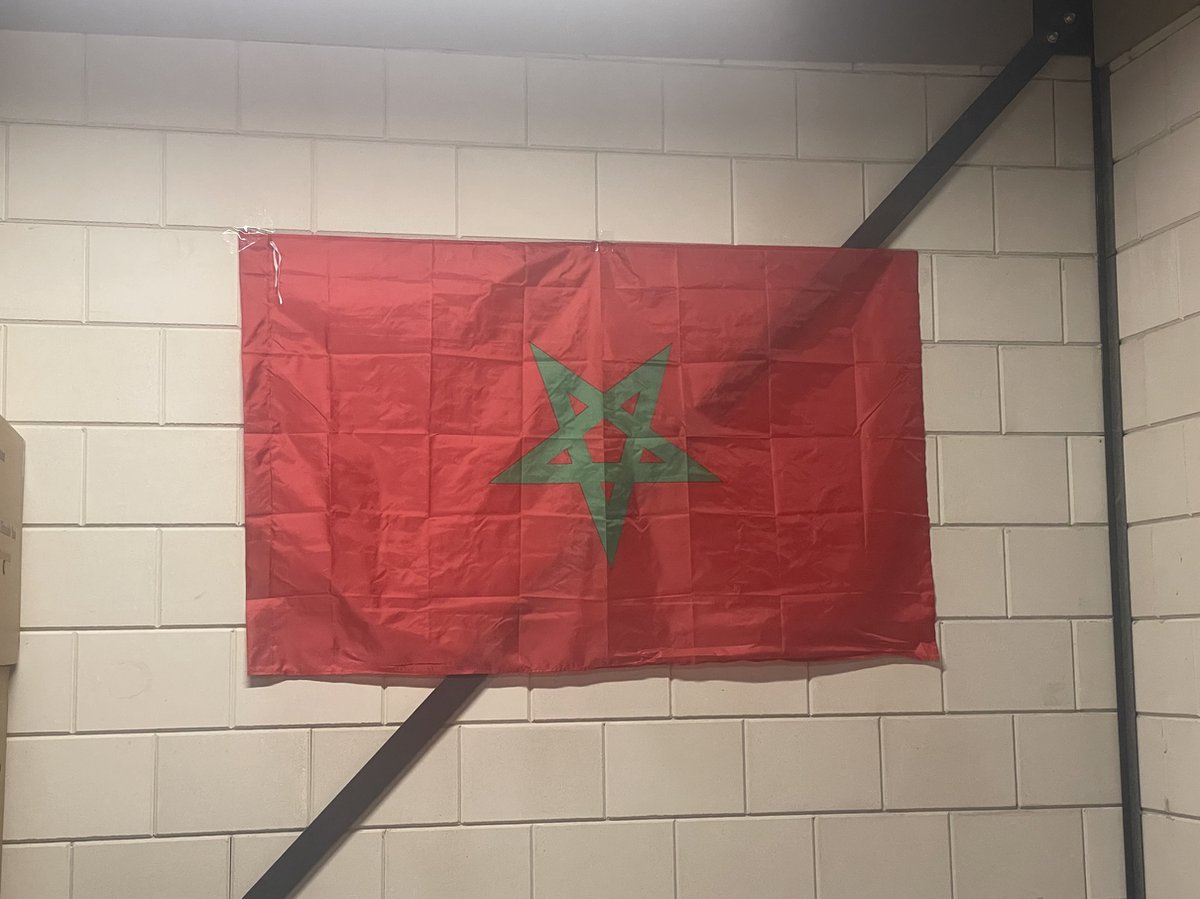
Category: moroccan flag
[503,457]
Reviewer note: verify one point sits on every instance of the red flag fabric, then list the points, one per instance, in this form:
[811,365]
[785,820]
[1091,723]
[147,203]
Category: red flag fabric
[510,457]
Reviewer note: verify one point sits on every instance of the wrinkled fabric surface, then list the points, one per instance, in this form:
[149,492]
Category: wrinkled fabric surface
[735,466]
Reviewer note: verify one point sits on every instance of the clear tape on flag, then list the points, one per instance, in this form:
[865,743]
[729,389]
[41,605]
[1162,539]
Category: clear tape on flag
[246,238]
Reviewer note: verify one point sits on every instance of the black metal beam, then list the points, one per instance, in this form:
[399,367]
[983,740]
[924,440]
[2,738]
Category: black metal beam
[366,788]
[1114,464]
[403,748]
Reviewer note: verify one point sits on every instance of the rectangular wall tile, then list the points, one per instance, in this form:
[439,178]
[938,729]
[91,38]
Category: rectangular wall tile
[962,388]
[203,576]
[455,97]
[1183,73]
[1089,480]
[202,376]
[162,475]
[1166,653]
[1045,210]
[875,686]
[1049,845]
[844,115]
[236,780]
[427,794]
[909,856]
[952,762]
[632,693]
[968,572]
[53,474]
[717,857]
[56,93]
[956,216]
[264,701]
[52,791]
[747,112]
[1051,389]
[1172,371]
[1067,759]
[595,103]
[1026,480]
[663,198]
[1156,473]
[1139,102]
[1166,180]
[673,768]
[1164,569]
[163,276]
[84,174]
[1150,283]
[1058,571]
[41,690]
[156,680]
[355,869]
[738,690]
[41,267]
[1081,301]
[232,181]
[1023,134]
[181,869]
[1095,680]
[84,577]
[1073,124]
[796,202]
[36,869]
[193,82]
[997,298]
[464,862]
[1172,855]
[816,765]
[526,193]
[306,89]
[1104,851]
[100,374]
[385,188]
[1007,665]
[550,771]
[597,861]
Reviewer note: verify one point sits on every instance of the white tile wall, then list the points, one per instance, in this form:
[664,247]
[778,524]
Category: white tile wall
[147,869]
[466,862]
[237,780]
[305,89]
[595,103]
[133,618]
[385,188]
[717,857]
[84,174]
[41,267]
[194,83]
[730,111]
[909,857]
[41,76]
[1043,849]
[596,861]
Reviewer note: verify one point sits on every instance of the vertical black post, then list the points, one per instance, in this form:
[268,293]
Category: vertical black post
[1114,459]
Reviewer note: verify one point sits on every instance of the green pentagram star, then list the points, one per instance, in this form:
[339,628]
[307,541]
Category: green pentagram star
[564,458]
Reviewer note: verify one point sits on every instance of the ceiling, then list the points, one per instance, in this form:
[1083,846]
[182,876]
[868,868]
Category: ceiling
[973,32]
[928,32]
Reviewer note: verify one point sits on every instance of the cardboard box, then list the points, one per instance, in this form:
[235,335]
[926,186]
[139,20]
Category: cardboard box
[12,495]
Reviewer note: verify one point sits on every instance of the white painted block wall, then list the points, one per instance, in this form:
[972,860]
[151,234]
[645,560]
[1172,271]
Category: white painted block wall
[142,764]
[1156,137]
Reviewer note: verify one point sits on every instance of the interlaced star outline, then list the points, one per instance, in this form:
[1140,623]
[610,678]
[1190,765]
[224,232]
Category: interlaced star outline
[564,457]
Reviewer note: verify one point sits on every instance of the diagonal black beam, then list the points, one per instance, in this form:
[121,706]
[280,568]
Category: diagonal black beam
[366,788]
[412,739]
[915,187]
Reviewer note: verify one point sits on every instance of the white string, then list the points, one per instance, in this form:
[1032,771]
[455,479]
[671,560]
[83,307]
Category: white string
[245,242]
